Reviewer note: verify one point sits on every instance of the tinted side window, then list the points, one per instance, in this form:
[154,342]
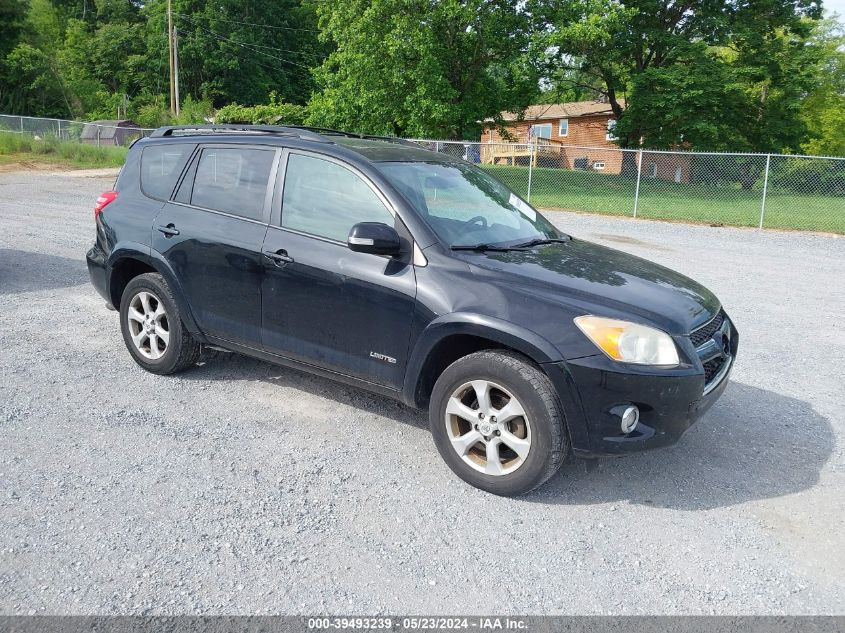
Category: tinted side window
[160,167]
[322,198]
[233,180]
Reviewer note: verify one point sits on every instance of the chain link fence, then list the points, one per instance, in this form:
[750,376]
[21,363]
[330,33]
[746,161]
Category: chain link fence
[760,190]
[97,133]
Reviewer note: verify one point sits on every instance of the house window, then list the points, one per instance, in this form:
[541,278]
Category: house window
[542,130]
[598,165]
[652,170]
[563,127]
[611,127]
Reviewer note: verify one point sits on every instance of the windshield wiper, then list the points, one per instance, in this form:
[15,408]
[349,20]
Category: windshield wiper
[544,240]
[482,247]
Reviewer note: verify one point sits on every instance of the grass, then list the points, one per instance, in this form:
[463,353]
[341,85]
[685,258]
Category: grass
[15,148]
[584,191]
[592,192]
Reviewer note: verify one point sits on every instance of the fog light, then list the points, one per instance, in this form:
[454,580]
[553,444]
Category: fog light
[630,419]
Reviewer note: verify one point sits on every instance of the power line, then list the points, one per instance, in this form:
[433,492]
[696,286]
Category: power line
[263,26]
[249,47]
[252,45]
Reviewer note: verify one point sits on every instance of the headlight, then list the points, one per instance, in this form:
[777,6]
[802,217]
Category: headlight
[629,342]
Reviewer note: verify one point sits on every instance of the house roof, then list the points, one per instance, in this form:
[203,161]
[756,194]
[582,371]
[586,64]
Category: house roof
[572,109]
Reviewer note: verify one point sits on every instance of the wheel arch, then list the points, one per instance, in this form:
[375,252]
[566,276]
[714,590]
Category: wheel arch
[127,262]
[453,336]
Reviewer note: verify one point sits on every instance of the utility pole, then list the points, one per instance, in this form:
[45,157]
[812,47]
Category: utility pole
[170,50]
[176,67]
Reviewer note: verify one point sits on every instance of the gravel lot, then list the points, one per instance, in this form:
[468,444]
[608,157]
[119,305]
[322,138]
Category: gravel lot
[240,487]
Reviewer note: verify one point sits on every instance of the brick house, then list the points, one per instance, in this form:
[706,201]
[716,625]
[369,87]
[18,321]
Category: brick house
[588,123]
[576,135]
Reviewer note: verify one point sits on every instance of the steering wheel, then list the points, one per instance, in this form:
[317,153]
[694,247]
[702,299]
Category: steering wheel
[476,219]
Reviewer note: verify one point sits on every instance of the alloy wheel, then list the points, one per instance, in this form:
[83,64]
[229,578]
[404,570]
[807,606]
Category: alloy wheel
[488,427]
[148,325]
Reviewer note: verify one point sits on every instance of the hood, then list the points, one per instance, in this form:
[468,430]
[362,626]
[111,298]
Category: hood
[605,282]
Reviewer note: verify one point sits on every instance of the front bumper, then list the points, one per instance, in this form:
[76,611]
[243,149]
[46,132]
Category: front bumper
[593,391]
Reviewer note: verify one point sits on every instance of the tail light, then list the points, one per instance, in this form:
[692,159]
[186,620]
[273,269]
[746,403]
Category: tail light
[103,201]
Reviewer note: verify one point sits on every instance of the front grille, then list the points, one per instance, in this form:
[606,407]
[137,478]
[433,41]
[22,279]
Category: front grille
[700,338]
[712,367]
[703,334]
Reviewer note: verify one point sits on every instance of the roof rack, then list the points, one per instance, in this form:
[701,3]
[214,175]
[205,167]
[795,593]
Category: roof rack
[281,130]
[370,137]
[304,132]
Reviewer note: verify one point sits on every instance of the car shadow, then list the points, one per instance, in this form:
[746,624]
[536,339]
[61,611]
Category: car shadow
[27,271]
[232,366]
[752,444]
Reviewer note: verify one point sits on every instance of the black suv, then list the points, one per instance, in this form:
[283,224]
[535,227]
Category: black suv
[412,274]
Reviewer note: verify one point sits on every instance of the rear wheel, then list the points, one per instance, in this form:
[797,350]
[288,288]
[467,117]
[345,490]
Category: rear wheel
[496,421]
[152,327]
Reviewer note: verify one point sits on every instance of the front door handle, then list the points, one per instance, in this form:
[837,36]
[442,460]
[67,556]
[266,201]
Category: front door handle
[279,258]
[169,231]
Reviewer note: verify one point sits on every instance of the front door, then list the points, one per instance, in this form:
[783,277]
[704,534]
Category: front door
[211,235]
[324,304]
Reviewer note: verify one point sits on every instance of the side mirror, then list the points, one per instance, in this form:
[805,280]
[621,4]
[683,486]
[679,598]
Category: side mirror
[374,237]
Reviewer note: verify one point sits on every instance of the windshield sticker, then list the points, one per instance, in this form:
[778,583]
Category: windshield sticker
[523,208]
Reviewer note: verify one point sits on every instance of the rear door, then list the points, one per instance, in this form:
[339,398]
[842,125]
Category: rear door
[322,303]
[211,234]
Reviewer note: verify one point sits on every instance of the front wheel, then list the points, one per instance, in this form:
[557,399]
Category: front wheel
[496,421]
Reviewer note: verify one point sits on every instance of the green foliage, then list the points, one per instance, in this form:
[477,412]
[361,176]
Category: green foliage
[727,169]
[150,110]
[699,102]
[418,68]
[804,175]
[69,58]
[13,19]
[714,74]
[274,112]
[225,58]
[34,84]
[823,110]
[194,111]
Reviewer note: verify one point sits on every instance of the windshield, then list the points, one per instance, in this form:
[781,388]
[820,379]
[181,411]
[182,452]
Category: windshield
[465,206]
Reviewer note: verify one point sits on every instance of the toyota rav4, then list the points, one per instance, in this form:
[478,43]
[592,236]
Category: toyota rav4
[412,274]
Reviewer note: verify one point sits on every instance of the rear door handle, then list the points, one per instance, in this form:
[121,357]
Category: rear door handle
[279,257]
[170,230]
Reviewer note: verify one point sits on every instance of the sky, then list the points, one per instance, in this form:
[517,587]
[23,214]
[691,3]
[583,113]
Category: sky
[835,6]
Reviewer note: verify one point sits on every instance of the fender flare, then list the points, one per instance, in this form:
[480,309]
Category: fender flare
[156,261]
[503,332]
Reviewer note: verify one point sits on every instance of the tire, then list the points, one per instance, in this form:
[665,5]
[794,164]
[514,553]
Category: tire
[153,315]
[528,448]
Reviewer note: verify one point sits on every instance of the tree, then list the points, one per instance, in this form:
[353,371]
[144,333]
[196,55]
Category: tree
[422,67]
[83,58]
[13,19]
[823,110]
[719,74]
[35,84]
[238,50]
[13,87]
